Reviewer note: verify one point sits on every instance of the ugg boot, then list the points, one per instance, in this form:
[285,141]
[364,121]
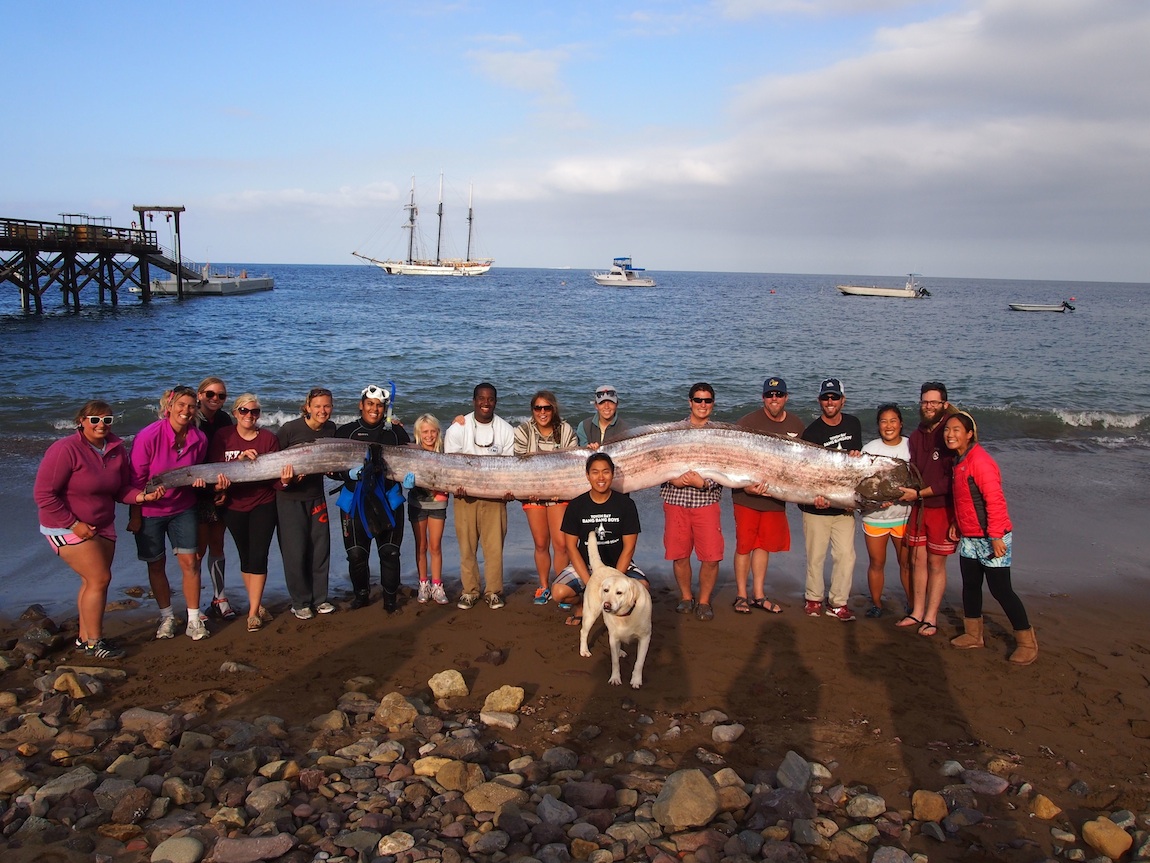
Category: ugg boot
[1027,650]
[971,636]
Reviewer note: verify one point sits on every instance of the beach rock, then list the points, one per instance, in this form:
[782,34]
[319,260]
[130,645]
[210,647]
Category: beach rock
[252,850]
[359,840]
[157,728]
[499,719]
[61,786]
[961,817]
[1045,808]
[727,733]
[448,684]
[1106,837]
[589,795]
[983,782]
[459,776]
[866,806]
[268,796]
[865,832]
[928,806]
[490,796]
[132,806]
[505,699]
[845,847]
[688,799]
[732,798]
[237,668]
[395,843]
[181,849]
[560,758]
[395,711]
[890,854]
[712,717]
[552,811]
[333,720]
[934,831]
[794,772]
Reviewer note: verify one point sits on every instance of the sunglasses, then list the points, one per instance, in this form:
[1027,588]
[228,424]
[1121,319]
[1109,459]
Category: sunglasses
[702,400]
[830,397]
[774,394]
[101,420]
[211,394]
[542,408]
[253,411]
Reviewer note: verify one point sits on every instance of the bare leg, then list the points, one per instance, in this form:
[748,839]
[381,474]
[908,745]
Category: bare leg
[918,582]
[419,528]
[875,575]
[435,547]
[760,559]
[708,576]
[935,586]
[158,581]
[541,535]
[254,582]
[558,544]
[92,561]
[189,567]
[902,551]
[742,566]
[682,570]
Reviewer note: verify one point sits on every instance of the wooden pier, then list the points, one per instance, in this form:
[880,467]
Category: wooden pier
[81,251]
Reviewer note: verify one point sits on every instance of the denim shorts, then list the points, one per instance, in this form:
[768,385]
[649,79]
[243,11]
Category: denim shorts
[180,529]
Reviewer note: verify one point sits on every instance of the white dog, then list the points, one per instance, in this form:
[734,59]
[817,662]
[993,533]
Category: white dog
[626,608]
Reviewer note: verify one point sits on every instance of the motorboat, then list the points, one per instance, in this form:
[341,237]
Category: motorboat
[912,291]
[415,265]
[1064,306]
[623,275]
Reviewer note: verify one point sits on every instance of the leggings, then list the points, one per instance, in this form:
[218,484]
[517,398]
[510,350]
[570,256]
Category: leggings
[998,580]
[252,532]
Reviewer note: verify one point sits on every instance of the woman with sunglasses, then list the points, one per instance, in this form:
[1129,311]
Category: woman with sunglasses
[545,431]
[213,394]
[77,485]
[250,507]
[173,441]
[304,532]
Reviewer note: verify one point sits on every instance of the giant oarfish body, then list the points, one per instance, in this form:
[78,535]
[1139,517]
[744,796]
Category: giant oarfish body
[793,470]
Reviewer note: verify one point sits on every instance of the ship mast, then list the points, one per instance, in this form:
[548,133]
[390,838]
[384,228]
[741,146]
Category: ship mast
[470,192]
[439,233]
[410,226]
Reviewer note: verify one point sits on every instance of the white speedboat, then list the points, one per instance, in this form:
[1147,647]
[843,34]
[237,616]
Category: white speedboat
[912,291]
[414,265]
[1064,306]
[623,275]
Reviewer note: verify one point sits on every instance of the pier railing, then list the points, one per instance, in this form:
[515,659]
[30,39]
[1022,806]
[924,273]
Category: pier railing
[94,237]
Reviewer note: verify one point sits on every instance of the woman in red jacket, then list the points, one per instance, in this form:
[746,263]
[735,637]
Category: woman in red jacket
[983,532]
[77,486]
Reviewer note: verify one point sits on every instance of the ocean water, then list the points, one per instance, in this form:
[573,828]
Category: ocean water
[1074,384]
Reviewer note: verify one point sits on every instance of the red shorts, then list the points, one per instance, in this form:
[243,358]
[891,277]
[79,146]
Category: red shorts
[930,526]
[687,528]
[769,531]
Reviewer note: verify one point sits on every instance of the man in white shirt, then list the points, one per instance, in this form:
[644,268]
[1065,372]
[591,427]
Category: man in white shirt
[480,523]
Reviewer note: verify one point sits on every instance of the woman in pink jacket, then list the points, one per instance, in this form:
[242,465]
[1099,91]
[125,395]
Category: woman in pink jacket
[982,530]
[76,489]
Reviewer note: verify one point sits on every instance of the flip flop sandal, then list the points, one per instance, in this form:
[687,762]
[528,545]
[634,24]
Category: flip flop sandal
[764,604]
[574,620]
[909,620]
[742,605]
[927,629]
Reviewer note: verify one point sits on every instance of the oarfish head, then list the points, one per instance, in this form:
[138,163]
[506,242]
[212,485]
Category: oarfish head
[885,487]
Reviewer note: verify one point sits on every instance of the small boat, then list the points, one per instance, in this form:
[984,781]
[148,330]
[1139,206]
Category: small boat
[912,291]
[213,283]
[414,265]
[623,275]
[1064,306]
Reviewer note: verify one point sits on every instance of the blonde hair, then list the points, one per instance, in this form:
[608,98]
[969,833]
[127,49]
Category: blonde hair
[243,399]
[428,420]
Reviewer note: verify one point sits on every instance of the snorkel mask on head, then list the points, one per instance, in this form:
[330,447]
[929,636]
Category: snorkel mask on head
[387,397]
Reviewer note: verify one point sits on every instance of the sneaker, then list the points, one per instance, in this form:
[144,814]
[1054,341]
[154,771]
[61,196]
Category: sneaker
[438,593]
[467,600]
[813,608]
[103,650]
[167,627]
[842,613]
[304,613]
[196,630]
[424,592]
[265,615]
[221,609]
[324,608]
[494,600]
[874,611]
[543,596]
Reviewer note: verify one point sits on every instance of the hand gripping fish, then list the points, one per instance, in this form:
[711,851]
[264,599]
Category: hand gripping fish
[792,470]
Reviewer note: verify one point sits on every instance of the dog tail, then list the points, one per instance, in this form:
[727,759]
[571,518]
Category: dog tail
[593,551]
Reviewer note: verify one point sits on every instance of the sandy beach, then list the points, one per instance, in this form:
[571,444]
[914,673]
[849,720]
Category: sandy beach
[885,705]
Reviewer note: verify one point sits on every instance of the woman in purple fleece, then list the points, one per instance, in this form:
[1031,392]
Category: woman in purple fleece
[77,486]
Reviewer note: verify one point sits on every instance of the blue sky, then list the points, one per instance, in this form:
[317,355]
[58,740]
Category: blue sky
[984,138]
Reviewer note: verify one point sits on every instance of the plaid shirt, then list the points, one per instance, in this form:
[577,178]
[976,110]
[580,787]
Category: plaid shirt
[690,497]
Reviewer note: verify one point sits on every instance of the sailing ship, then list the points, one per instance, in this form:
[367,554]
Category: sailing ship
[414,265]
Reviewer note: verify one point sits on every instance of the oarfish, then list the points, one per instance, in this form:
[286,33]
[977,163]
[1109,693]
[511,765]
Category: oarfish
[792,470]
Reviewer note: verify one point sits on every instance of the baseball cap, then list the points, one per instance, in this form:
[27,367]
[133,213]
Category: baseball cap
[832,386]
[606,393]
[377,393]
[774,385]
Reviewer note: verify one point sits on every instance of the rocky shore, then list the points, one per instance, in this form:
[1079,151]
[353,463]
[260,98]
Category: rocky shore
[442,772]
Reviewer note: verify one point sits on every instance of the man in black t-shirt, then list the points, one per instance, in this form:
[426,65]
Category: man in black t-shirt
[823,524]
[614,518]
